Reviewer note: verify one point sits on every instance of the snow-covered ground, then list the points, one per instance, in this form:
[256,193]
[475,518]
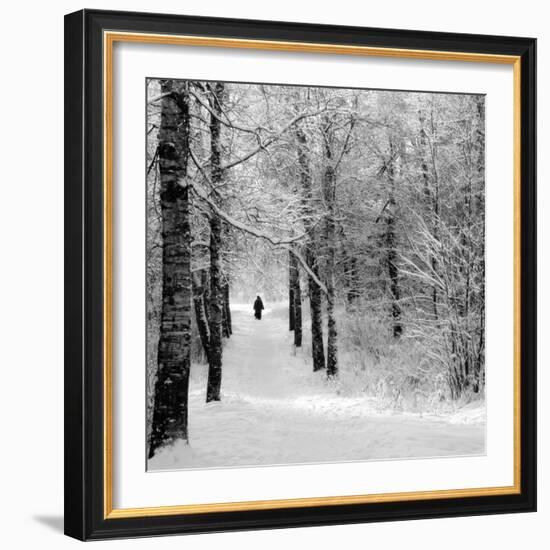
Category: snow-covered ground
[275,410]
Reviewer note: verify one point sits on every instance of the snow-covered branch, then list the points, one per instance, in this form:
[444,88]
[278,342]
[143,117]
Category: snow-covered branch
[272,139]
[282,243]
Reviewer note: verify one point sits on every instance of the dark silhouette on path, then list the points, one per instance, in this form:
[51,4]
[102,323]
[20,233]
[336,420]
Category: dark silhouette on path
[258,306]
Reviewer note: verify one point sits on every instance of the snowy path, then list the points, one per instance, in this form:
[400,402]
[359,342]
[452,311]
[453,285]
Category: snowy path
[274,410]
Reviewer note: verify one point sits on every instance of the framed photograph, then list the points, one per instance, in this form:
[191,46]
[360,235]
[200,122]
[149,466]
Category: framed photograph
[300,274]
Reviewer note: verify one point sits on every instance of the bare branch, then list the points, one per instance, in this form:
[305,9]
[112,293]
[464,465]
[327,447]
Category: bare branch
[158,98]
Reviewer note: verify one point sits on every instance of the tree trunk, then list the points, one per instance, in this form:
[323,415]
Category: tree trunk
[354,284]
[200,310]
[226,314]
[225,332]
[227,311]
[215,317]
[296,292]
[205,281]
[291,276]
[213,390]
[172,384]
[317,348]
[329,192]
[391,247]
[349,263]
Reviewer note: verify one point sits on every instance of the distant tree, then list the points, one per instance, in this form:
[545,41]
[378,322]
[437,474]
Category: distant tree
[295,298]
[390,238]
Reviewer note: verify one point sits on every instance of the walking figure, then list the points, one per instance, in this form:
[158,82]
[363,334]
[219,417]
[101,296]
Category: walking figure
[258,306]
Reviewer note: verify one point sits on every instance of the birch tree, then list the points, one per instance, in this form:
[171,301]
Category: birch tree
[171,388]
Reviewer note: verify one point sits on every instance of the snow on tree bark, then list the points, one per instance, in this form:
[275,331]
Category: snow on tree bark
[171,387]
[391,246]
[315,297]
[228,310]
[329,195]
[213,391]
[291,276]
[200,280]
[295,292]
[226,313]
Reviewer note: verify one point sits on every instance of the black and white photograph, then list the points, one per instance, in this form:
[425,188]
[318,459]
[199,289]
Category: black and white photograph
[315,274]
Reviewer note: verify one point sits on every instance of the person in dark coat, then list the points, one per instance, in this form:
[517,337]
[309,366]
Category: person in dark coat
[258,306]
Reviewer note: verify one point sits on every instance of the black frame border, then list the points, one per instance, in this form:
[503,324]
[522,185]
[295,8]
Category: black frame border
[84,256]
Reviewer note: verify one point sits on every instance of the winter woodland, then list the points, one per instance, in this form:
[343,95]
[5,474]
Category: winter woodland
[358,217]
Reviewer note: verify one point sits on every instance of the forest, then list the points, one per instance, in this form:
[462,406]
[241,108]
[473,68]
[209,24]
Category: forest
[358,215]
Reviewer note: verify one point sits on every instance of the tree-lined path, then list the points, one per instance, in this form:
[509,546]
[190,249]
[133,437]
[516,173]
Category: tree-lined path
[274,411]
